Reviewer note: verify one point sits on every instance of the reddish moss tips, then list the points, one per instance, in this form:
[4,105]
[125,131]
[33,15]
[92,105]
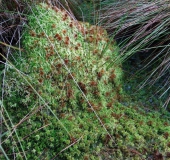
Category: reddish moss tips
[59,65]
[41,73]
[55,9]
[86,32]
[168,144]
[107,94]
[105,82]
[67,40]
[71,25]
[32,33]
[65,17]
[166,135]
[75,36]
[96,93]
[100,74]
[109,105]
[48,55]
[90,39]
[62,115]
[72,139]
[83,87]
[77,58]
[40,80]
[117,116]
[95,51]
[52,53]
[107,139]
[78,44]
[89,110]
[76,47]
[112,76]
[92,106]
[70,93]
[86,157]
[53,26]
[66,43]
[66,61]
[39,92]
[71,75]
[93,83]
[48,76]
[58,37]
[107,58]
[166,124]
[42,34]
[64,31]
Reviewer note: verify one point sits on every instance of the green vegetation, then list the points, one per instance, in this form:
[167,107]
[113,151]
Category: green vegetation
[142,30]
[62,101]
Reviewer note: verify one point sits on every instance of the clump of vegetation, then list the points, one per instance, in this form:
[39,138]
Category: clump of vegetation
[142,29]
[61,100]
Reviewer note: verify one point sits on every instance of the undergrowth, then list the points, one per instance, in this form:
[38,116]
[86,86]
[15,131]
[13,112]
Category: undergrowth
[62,101]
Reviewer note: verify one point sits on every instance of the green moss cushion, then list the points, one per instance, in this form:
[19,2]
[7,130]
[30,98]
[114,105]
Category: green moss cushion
[63,102]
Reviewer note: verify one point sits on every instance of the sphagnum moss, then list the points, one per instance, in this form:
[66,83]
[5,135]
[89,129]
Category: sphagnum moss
[54,43]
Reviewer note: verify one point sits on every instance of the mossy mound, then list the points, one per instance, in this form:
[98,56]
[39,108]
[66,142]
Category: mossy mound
[63,98]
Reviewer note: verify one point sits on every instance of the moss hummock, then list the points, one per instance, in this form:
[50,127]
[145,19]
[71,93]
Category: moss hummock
[63,97]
